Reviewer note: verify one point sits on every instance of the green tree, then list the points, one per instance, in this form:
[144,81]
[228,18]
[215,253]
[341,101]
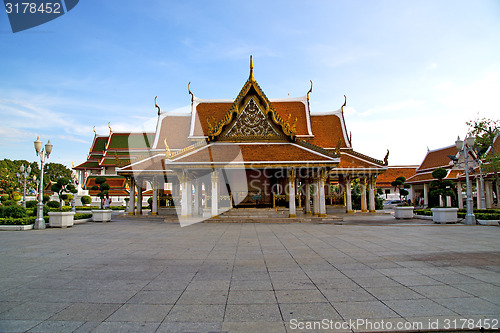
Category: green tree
[399,184]
[485,130]
[62,186]
[102,187]
[55,171]
[441,187]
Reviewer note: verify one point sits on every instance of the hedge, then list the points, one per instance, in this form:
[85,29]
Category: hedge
[18,221]
[97,207]
[426,212]
[31,219]
[81,216]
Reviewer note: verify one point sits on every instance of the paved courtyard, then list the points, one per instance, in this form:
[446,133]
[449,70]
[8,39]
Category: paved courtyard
[144,275]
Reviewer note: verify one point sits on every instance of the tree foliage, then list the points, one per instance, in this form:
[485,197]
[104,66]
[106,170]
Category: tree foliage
[102,187]
[485,130]
[62,186]
[441,187]
[399,184]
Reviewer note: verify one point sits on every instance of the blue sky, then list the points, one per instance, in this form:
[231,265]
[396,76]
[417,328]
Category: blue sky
[413,71]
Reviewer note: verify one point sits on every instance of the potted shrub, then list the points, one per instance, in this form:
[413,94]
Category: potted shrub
[86,200]
[442,188]
[403,210]
[101,215]
[62,219]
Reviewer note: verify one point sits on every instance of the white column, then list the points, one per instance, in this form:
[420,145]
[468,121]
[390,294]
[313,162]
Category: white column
[487,194]
[478,192]
[315,197]
[291,194]
[482,193]
[460,198]
[139,197]
[307,189]
[196,197]
[322,197]
[448,201]
[154,204]
[215,193]
[186,197]
[371,195]
[413,195]
[348,204]
[426,195]
[131,203]
[363,195]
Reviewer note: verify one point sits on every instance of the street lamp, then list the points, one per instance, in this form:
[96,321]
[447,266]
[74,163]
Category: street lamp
[74,177]
[466,148]
[43,153]
[25,172]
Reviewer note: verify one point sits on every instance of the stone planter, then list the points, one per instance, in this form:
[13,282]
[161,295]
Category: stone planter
[403,212]
[61,219]
[444,215]
[101,215]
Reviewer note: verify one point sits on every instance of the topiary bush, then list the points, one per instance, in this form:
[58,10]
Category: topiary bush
[31,203]
[53,204]
[46,198]
[103,189]
[62,186]
[4,197]
[14,211]
[16,196]
[86,200]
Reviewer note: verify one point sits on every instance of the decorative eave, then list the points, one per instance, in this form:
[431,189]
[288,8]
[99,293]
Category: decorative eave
[215,127]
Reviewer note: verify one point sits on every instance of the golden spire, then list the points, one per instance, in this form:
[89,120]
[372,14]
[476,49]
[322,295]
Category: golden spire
[190,93]
[156,105]
[310,90]
[251,69]
[168,153]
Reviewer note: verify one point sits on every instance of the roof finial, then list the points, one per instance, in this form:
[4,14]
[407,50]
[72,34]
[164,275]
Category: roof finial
[310,90]
[386,158]
[345,103]
[156,105]
[251,69]
[110,130]
[94,130]
[190,93]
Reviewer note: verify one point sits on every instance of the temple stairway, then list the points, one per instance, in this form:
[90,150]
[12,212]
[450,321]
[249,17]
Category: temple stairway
[268,215]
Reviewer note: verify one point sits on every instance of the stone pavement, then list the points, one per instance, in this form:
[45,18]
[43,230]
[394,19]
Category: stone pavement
[144,275]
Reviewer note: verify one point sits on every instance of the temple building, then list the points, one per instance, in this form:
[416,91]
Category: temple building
[250,151]
[450,159]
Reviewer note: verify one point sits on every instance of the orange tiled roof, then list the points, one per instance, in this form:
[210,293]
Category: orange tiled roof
[426,177]
[296,110]
[327,129]
[252,153]
[438,158]
[176,130]
[113,181]
[205,110]
[393,172]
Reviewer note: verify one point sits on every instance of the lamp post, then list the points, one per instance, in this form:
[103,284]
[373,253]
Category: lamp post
[25,172]
[43,153]
[74,177]
[466,148]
